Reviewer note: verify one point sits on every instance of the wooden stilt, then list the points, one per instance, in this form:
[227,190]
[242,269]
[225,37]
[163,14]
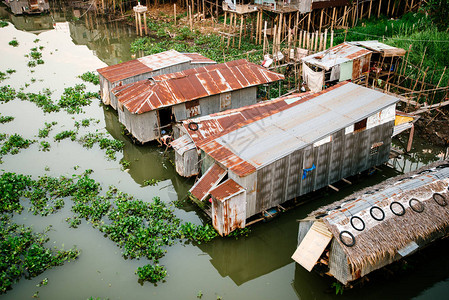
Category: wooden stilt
[332,38]
[316,41]
[260,26]
[174,13]
[333,18]
[370,6]
[325,40]
[241,28]
[264,37]
[321,20]
[378,10]
[145,23]
[257,27]
[137,23]
[234,30]
[140,24]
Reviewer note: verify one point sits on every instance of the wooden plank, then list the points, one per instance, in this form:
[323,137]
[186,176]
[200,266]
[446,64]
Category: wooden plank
[312,246]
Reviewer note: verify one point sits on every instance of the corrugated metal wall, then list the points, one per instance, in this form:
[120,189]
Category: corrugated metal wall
[345,155]
[211,104]
[187,163]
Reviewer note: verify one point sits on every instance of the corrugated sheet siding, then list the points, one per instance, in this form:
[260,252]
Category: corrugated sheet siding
[294,174]
[187,163]
[303,229]
[345,155]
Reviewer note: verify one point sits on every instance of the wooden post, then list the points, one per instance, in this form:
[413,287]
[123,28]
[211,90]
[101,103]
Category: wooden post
[145,23]
[241,29]
[325,39]
[300,39]
[281,17]
[388,7]
[174,12]
[190,18]
[226,14]
[316,41]
[308,24]
[289,41]
[140,24]
[235,26]
[204,11]
[137,23]
[333,19]
[264,37]
[370,6]
[332,38]
[361,12]
[260,26]
[257,27]
[274,40]
[378,10]
[321,20]
[344,17]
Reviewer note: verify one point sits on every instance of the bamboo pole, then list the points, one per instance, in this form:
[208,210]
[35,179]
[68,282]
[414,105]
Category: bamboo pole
[257,27]
[370,6]
[260,26]
[333,19]
[235,26]
[137,23]
[378,10]
[190,18]
[145,23]
[332,38]
[241,29]
[321,20]
[264,37]
[174,13]
[325,39]
[316,40]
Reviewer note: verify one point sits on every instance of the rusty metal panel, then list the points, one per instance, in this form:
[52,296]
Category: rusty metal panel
[307,183]
[361,151]
[193,108]
[322,165]
[337,154]
[167,90]
[207,182]
[197,58]
[279,182]
[264,182]
[228,207]
[294,175]
[356,68]
[348,155]
[225,101]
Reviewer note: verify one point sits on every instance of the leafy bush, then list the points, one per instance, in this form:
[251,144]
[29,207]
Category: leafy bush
[7,93]
[14,43]
[90,77]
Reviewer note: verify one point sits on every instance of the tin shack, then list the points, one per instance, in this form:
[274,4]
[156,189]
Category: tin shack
[19,7]
[310,143]
[147,108]
[191,132]
[145,67]
[339,63]
[376,226]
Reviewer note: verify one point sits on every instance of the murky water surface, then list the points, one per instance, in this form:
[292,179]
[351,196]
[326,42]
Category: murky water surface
[256,267]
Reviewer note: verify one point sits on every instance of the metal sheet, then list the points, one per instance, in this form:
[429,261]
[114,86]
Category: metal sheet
[169,89]
[207,182]
[261,142]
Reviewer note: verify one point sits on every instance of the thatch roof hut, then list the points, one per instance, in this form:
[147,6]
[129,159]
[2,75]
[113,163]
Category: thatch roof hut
[377,226]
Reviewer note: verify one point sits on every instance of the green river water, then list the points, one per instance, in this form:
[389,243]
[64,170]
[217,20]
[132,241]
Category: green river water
[255,267]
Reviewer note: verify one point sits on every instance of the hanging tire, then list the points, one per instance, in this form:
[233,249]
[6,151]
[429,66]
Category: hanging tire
[352,243]
[418,207]
[439,199]
[400,205]
[360,219]
[193,126]
[372,213]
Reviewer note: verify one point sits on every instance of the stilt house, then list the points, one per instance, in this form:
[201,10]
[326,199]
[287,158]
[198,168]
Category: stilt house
[147,108]
[191,132]
[336,64]
[377,226]
[145,67]
[304,146]
[303,6]
[19,7]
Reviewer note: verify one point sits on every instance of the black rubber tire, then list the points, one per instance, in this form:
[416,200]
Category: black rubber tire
[438,195]
[193,126]
[413,208]
[397,203]
[372,215]
[352,224]
[352,237]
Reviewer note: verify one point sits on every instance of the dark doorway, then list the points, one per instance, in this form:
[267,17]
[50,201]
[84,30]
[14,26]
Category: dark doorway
[165,119]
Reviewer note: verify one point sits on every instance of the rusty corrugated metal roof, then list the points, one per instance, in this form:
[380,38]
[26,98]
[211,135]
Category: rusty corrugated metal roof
[150,63]
[384,49]
[226,190]
[218,122]
[252,144]
[170,89]
[208,181]
[198,58]
[336,55]
[183,144]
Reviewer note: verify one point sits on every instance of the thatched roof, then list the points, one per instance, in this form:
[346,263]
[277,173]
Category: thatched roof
[383,239]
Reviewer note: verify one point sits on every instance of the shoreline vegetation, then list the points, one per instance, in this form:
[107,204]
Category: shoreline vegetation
[145,229]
